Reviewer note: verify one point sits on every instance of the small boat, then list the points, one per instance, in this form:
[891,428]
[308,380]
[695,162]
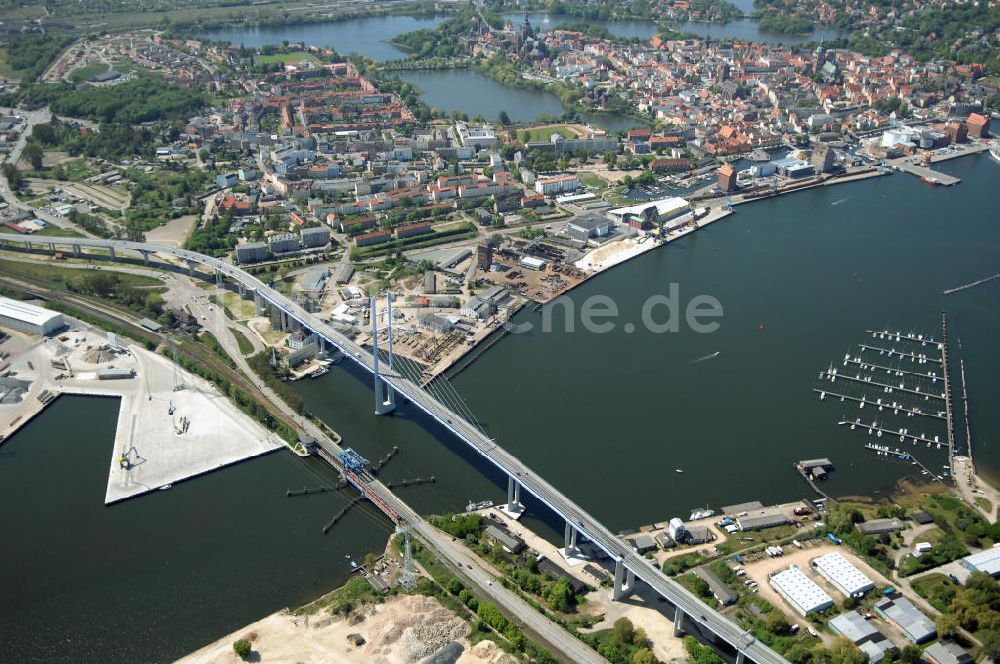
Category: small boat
[930,180]
[166,487]
[678,470]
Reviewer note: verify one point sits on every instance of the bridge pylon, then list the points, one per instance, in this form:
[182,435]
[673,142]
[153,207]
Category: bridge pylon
[385,396]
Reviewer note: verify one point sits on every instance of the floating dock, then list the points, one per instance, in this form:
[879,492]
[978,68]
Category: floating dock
[865,401]
[893,351]
[832,376]
[864,366]
[874,428]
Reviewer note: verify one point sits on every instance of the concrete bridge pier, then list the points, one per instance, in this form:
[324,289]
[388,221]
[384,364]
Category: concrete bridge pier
[514,507]
[52,247]
[259,303]
[242,289]
[191,265]
[678,622]
[569,540]
[740,657]
[111,253]
[218,278]
[76,250]
[624,581]
[145,256]
[385,396]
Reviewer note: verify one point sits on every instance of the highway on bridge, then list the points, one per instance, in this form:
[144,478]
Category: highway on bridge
[694,609]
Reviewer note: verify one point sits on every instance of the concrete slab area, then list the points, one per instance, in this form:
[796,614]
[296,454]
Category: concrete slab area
[514,512]
[164,435]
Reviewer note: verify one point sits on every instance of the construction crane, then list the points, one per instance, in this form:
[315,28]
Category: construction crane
[172,342]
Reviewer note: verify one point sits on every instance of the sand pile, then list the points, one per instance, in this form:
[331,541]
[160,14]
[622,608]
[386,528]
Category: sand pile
[416,627]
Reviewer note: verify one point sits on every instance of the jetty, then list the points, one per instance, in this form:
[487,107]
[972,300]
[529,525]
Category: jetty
[926,174]
[874,428]
[884,450]
[972,284]
[947,388]
[865,401]
[903,336]
[892,351]
[864,366]
[889,389]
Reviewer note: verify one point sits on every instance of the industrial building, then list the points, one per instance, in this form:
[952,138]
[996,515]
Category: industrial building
[800,591]
[761,520]
[510,543]
[853,627]
[727,178]
[533,263]
[879,526]
[987,562]
[587,226]
[314,280]
[29,318]
[660,211]
[947,652]
[722,592]
[911,622]
[844,576]
[822,158]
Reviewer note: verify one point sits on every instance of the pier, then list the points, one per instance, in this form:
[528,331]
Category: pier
[902,456]
[965,402]
[874,428]
[947,389]
[927,174]
[832,377]
[900,336]
[910,412]
[972,284]
[892,351]
[889,370]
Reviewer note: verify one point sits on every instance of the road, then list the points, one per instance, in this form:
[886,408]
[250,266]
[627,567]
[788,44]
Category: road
[580,519]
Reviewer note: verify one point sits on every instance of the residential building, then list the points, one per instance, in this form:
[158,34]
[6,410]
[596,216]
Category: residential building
[251,252]
[556,185]
[979,126]
[479,138]
[283,243]
[510,543]
[318,236]
[727,178]
[720,590]
[419,228]
[377,237]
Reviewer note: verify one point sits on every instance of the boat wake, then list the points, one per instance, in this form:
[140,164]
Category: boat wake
[839,201]
[710,356]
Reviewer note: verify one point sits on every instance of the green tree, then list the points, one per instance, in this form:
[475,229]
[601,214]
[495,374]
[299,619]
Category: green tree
[775,622]
[503,118]
[33,153]
[644,656]
[455,586]
[909,654]
[242,648]
[622,632]
[559,596]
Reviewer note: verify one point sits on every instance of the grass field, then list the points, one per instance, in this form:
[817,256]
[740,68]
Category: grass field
[937,589]
[297,56]
[591,180]
[545,133]
[241,339]
[55,231]
[51,275]
[87,72]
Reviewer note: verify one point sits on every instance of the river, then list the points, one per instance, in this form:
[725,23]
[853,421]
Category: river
[607,418]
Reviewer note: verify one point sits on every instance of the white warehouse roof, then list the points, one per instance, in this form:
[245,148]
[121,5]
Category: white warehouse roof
[665,207]
[27,313]
[847,578]
[987,561]
[800,591]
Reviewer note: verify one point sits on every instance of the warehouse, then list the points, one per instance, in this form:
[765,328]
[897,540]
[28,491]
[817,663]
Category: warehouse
[763,519]
[800,591]
[720,590]
[947,652]
[900,612]
[879,526]
[987,562]
[844,576]
[853,627]
[510,543]
[29,318]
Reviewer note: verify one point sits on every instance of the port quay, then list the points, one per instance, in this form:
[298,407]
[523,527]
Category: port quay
[629,565]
